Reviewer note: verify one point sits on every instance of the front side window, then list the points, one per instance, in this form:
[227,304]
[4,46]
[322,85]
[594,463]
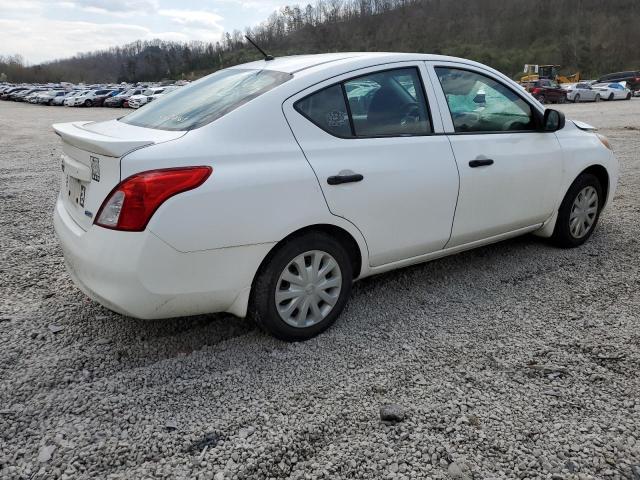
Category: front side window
[387,103]
[480,104]
[206,100]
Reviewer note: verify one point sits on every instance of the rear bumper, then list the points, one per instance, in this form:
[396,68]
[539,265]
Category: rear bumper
[139,275]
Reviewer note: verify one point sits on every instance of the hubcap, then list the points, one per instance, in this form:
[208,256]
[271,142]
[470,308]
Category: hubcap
[583,212]
[308,288]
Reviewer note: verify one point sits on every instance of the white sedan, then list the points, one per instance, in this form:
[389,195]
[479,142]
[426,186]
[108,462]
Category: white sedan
[137,101]
[612,91]
[267,188]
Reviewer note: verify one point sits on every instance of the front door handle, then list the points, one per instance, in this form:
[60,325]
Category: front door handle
[345,178]
[480,162]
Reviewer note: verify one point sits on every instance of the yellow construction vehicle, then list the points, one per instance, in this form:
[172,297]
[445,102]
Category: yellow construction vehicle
[533,73]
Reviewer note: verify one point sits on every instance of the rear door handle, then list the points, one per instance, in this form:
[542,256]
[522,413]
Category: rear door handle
[340,179]
[480,162]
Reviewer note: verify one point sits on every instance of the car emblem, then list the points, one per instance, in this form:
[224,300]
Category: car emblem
[95,169]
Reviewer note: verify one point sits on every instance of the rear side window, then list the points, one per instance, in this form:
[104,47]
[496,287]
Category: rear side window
[381,104]
[206,100]
[328,110]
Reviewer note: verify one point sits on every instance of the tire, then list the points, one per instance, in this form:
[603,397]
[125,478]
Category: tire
[628,96]
[88,103]
[541,99]
[576,99]
[610,97]
[562,99]
[307,248]
[564,233]
[597,99]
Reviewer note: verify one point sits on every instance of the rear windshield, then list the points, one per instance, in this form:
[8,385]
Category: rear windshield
[206,100]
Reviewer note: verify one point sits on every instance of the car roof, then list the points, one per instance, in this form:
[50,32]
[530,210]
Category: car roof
[299,63]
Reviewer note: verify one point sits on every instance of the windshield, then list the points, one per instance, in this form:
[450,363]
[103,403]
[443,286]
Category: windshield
[206,100]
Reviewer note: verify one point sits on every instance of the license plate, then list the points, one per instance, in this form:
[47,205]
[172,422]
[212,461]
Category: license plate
[76,191]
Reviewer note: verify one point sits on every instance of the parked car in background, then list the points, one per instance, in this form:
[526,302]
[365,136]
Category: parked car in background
[121,99]
[631,77]
[92,98]
[191,204]
[166,90]
[582,92]
[137,101]
[6,94]
[46,98]
[70,101]
[547,91]
[24,94]
[612,91]
[59,100]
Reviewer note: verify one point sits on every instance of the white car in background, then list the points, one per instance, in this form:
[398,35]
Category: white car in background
[137,101]
[583,92]
[70,101]
[59,100]
[47,98]
[612,91]
[166,90]
[267,188]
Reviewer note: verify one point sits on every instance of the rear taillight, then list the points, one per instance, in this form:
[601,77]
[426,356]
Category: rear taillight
[133,202]
[535,91]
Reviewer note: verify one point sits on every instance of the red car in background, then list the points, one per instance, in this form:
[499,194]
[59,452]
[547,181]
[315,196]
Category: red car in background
[546,91]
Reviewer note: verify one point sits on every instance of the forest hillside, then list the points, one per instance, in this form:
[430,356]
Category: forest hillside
[592,36]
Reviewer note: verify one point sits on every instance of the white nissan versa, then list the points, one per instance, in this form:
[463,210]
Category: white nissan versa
[265,189]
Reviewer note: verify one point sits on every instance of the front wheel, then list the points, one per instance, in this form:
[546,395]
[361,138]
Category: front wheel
[576,99]
[302,288]
[541,99]
[562,99]
[579,212]
[610,97]
[88,103]
[628,96]
[597,98]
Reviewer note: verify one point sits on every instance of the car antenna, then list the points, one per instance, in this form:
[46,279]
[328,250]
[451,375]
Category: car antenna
[267,57]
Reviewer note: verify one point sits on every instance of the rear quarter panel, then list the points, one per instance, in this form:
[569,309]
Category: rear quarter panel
[261,189]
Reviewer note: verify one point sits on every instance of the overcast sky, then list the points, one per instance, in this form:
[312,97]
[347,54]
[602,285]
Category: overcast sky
[42,30]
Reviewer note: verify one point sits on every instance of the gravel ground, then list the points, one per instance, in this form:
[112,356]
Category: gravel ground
[516,360]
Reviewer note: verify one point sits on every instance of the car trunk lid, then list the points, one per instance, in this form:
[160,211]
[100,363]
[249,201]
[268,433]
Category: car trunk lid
[91,161]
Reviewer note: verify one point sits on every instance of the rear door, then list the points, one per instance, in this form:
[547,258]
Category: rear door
[510,173]
[375,142]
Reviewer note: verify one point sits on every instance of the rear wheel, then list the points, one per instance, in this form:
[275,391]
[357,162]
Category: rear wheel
[541,98]
[576,99]
[579,212]
[597,97]
[562,99]
[303,287]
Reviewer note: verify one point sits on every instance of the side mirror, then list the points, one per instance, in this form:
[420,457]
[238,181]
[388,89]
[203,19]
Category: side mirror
[553,120]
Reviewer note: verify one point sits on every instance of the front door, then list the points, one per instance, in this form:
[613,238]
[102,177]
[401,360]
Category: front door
[510,173]
[373,143]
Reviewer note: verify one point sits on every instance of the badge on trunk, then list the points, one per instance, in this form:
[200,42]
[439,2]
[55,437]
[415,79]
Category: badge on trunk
[95,168]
